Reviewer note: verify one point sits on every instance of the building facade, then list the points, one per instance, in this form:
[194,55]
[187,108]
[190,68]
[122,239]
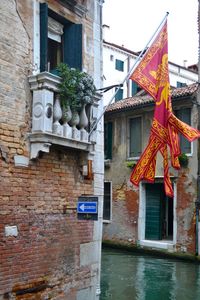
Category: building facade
[143,216]
[46,165]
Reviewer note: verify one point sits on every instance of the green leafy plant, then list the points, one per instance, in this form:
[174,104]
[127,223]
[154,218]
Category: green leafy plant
[131,164]
[75,88]
[183,160]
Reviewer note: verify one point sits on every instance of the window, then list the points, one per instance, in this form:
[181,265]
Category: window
[107,201]
[119,95]
[180,84]
[119,65]
[184,115]
[135,88]
[55,44]
[111,57]
[135,137]
[60,41]
[108,140]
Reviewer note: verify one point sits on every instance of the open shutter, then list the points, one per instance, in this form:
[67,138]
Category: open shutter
[134,88]
[153,226]
[43,36]
[107,201]
[108,136]
[73,45]
[119,95]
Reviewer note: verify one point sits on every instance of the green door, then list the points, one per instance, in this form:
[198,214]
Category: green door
[153,224]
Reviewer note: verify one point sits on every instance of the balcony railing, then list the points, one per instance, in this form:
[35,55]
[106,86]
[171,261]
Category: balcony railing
[49,124]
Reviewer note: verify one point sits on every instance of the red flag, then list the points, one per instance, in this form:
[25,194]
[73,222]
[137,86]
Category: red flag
[152,75]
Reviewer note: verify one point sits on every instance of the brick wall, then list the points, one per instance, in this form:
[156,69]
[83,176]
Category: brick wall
[39,200]
[42,259]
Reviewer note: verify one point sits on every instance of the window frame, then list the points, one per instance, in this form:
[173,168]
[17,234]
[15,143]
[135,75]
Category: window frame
[72,39]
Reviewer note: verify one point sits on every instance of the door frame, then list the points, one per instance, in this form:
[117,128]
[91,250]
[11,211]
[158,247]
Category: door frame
[142,218]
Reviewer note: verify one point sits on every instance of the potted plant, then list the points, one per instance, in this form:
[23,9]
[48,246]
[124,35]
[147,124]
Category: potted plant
[86,90]
[68,93]
[131,164]
[183,160]
[76,91]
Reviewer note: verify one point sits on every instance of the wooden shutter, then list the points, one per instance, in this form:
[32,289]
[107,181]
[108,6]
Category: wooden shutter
[135,137]
[43,36]
[153,225]
[119,65]
[134,88]
[184,115]
[107,201]
[73,45]
[119,95]
[108,137]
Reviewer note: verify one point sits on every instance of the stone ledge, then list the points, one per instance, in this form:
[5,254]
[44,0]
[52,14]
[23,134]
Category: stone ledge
[42,142]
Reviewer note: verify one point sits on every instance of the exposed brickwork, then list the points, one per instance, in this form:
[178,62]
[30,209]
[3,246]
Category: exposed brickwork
[49,236]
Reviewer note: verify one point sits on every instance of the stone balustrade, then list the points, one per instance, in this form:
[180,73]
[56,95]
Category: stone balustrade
[52,124]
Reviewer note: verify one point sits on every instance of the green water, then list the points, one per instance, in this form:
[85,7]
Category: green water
[129,276]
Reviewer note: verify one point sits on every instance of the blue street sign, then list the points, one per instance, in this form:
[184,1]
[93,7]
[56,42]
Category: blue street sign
[87,208]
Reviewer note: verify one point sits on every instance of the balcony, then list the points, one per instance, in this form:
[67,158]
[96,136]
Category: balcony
[48,124]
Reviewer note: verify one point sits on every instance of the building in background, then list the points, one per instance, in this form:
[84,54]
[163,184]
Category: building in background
[144,216]
[117,62]
[47,251]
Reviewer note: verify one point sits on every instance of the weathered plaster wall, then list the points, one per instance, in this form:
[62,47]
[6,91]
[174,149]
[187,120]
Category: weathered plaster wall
[125,197]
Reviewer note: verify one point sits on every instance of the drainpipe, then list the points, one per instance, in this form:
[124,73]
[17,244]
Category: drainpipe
[197,203]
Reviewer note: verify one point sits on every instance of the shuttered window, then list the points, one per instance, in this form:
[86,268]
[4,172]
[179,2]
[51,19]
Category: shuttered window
[119,95]
[119,65]
[135,137]
[184,115]
[108,137]
[135,88]
[68,51]
[180,84]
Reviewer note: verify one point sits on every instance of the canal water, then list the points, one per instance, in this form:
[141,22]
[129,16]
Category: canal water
[132,276]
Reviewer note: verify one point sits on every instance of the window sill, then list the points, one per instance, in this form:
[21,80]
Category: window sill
[42,142]
[107,221]
[133,158]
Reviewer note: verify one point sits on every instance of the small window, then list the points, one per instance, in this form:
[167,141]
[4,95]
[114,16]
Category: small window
[119,65]
[107,203]
[111,57]
[180,84]
[135,88]
[119,95]
[108,136]
[184,115]
[135,137]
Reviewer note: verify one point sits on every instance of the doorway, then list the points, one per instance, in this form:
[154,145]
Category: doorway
[159,213]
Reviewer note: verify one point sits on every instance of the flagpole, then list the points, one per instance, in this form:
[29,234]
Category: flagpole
[129,73]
